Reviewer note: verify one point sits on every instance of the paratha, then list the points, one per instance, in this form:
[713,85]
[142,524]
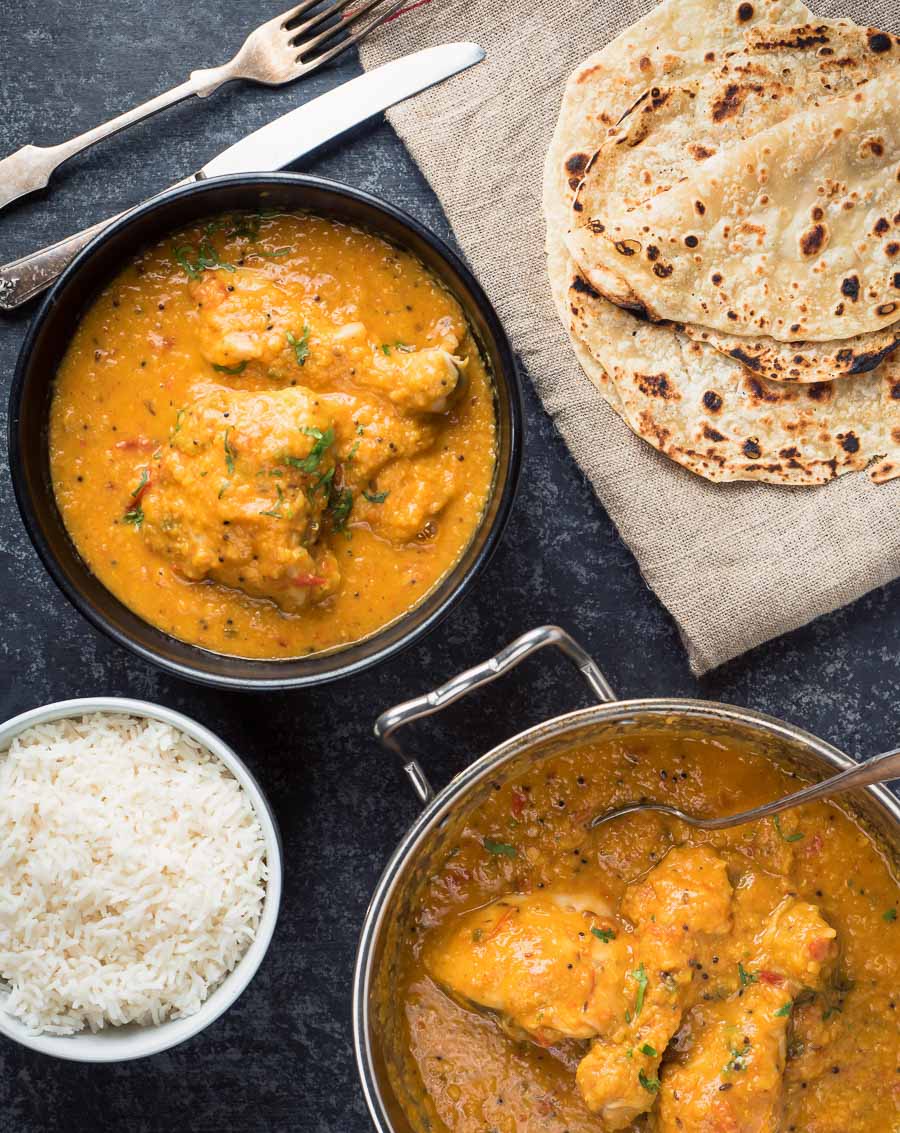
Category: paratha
[842,426]
[802,361]
[793,232]
[714,418]
[655,49]
[670,129]
[775,71]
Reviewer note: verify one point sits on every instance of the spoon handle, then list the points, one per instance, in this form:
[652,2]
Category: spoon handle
[880,769]
[29,275]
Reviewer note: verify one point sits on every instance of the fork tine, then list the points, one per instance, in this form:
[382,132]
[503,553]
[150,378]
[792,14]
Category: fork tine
[341,25]
[382,17]
[299,33]
[352,39]
[294,13]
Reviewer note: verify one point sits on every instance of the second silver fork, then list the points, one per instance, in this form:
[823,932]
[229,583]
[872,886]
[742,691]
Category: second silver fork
[276,52]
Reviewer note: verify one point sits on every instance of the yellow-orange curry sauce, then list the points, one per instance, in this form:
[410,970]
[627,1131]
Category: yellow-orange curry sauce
[183,471]
[459,1070]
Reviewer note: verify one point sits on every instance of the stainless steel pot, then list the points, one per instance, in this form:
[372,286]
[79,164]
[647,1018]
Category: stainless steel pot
[377,1022]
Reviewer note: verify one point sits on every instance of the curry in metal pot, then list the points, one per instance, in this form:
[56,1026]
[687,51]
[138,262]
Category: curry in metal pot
[644,976]
[272,434]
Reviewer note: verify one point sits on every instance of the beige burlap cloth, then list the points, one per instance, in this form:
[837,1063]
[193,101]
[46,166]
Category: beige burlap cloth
[735,564]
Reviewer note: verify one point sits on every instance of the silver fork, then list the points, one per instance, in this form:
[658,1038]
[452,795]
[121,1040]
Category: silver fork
[277,52]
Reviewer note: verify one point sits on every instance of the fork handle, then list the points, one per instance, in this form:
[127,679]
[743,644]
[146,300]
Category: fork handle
[22,279]
[30,167]
[879,769]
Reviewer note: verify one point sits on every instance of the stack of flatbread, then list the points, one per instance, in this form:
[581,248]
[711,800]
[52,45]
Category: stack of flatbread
[722,198]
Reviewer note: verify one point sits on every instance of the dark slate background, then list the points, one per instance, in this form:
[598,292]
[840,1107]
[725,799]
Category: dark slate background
[282,1057]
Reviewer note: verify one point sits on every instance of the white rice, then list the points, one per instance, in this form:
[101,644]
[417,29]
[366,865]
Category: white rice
[132,874]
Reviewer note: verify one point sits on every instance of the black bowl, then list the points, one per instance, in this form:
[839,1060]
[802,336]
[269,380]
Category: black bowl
[52,331]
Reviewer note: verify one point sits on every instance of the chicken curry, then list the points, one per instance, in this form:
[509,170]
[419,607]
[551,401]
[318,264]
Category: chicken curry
[646,976]
[272,434]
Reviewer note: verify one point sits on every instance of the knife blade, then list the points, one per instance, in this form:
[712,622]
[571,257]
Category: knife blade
[273,146]
[303,130]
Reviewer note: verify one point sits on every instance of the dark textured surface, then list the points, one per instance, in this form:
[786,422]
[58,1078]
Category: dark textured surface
[282,1058]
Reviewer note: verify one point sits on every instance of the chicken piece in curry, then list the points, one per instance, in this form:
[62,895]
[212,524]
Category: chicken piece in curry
[546,964]
[272,434]
[741,1042]
[644,976]
[678,912]
[239,495]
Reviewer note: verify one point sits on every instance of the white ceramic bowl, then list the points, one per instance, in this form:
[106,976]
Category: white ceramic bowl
[120,1044]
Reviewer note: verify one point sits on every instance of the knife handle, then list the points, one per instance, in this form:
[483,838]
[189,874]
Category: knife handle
[22,279]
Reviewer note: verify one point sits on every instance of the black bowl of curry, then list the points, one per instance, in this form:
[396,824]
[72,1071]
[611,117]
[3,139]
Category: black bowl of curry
[265,431]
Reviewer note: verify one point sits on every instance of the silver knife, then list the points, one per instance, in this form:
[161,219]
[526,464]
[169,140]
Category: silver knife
[271,147]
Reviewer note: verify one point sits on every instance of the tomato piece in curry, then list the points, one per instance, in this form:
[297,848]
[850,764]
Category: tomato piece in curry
[643,975]
[272,434]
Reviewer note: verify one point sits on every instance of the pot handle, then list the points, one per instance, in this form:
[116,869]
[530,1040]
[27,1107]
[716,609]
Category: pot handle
[389,722]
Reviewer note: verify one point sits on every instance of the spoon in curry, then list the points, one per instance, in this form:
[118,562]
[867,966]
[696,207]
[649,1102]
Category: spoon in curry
[880,769]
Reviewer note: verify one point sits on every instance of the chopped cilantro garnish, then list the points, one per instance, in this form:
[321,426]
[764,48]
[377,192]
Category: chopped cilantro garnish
[181,255]
[795,837]
[640,976]
[604,934]
[782,1012]
[310,463]
[376,497]
[889,915]
[503,848]
[340,504]
[246,225]
[649,1084]
[746,977]
[323,482]
[649,1050]
[179,417]
[134,516]
[142,483]
[385,349]
[276,512]
[230,454]
[300,345]
[739,1060]
[238,368]
[207,259]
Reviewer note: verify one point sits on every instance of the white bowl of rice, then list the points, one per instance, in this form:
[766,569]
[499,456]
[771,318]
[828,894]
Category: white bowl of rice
[140,879]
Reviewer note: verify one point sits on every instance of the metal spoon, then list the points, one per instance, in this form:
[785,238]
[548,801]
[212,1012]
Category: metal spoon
[880,769]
